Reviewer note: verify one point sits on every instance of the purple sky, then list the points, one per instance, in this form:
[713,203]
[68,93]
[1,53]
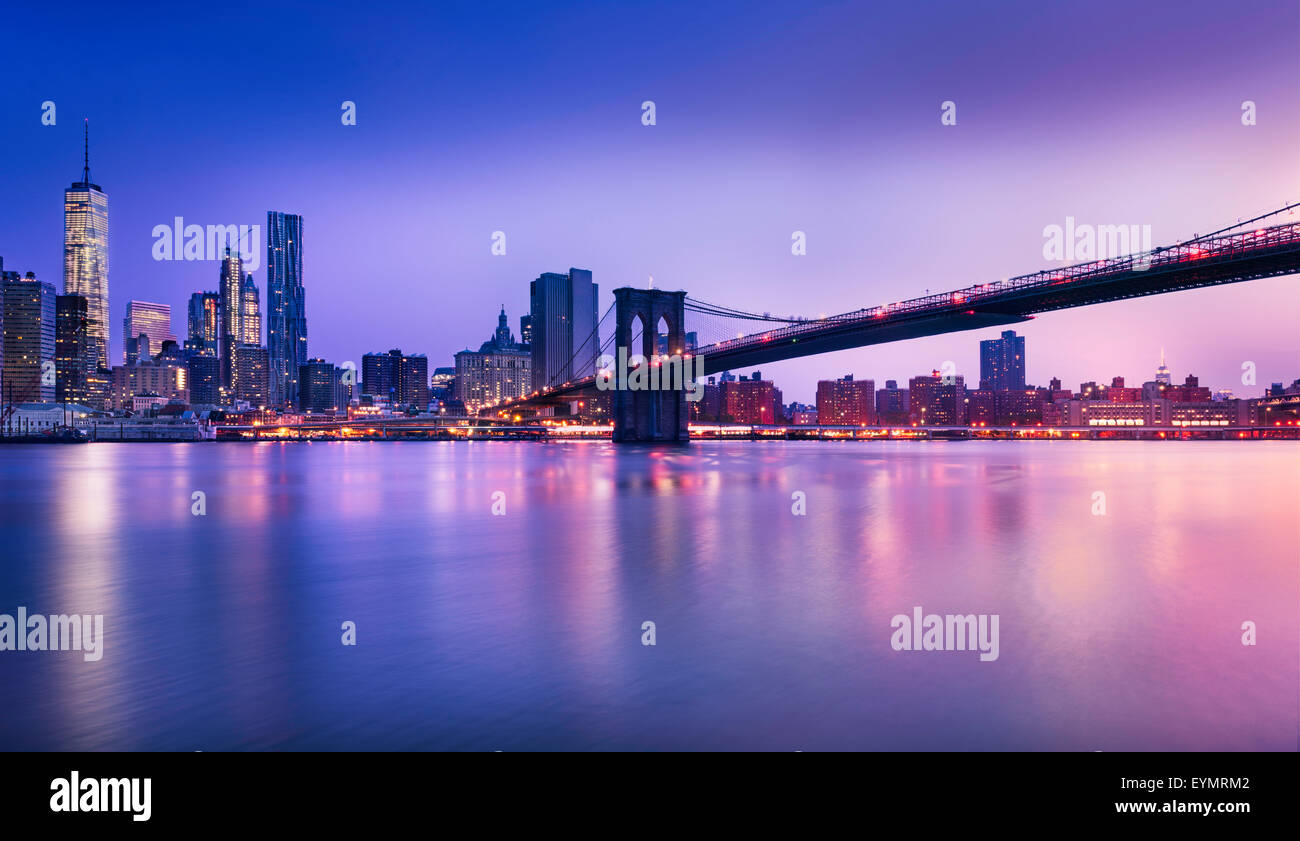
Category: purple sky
[771,118]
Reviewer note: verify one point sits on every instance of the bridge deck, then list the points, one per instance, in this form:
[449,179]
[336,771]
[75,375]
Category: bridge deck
[1232,258]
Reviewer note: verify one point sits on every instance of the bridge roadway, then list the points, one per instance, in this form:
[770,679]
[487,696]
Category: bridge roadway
[1231,258]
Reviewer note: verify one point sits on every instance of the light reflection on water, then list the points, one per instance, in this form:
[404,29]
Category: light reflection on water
[523,631]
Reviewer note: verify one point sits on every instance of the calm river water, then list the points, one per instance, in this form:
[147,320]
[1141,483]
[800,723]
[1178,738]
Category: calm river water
[522,630]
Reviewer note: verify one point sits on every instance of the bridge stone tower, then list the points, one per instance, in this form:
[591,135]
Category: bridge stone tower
[649,416]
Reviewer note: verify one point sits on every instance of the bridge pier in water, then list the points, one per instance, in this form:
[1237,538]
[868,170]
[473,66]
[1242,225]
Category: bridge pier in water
[649,416]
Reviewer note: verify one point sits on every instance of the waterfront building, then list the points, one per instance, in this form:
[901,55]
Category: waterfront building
[38,418]
[1056,413]
[164,380]
[981,407]
[1115,414]
[398,380]
[937,401]
[846,401]
[317,387]
[415,382]
[29,372]
[381,376]
[1209,413]
[752,401]
[1021,407]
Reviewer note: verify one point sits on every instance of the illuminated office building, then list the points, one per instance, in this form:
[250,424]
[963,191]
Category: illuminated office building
[29,371]
[203,335]
[85,257]
[165,379]
[144,318]
[71,357]
[564,345]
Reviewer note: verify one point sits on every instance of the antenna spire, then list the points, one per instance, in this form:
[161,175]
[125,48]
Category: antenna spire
[85,172]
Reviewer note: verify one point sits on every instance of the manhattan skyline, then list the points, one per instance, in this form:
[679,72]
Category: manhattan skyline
[404,204]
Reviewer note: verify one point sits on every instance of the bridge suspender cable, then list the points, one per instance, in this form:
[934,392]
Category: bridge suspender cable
[567,370]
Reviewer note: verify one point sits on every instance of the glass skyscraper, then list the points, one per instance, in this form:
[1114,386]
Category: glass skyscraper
[29,372]
[1002,362]
[85,257]
[286,306]
[144,318]
[250,313]
[70,356]
[203,376]
[564,318]
[232,323]
[204,324]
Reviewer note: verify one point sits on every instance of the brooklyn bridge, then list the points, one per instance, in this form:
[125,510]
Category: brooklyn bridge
[656,324]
